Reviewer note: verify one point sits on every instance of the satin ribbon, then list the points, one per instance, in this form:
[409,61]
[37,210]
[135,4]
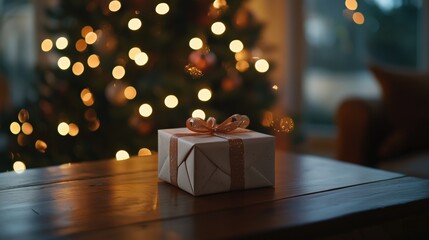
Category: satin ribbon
[234,124]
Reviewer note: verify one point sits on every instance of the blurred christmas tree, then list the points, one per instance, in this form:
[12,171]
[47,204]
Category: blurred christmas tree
[118,71]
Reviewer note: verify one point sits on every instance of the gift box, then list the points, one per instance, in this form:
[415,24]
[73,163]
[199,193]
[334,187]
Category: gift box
[213,161]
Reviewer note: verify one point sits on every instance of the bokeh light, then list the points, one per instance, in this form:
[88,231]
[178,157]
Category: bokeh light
[144,152]
[73,129]
[27,128]
[91,38]
[130,92]
[61,43]
[162,8]
[78,68]
[171,101]
[358,18]
[145,110]
[85,30]
[19,167]
[141,58]
[64,63]
[41,146]
[236,46]
[134,24]
[93,61]
[80,45]
[23,115]
[261,65]
[114,6]
[46,45]
[198,113]
[218,28]
[63,128]
[122,155]
[133,52]
[204,94]
[242,65]
[196,43]
[351,4]
[118,72]
[15,128]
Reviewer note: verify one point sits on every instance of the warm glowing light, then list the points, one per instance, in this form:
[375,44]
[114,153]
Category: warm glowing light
[145,110]
[144,152]
[19,167]
[218,28]
[46,45]
[196,43]
[134,24]
[85,30]
[15,128]
[41,146]
[171,101]
[204,94]
[114,6]
[94,125]
[118,72]
[63,128]
[73,129]
[130,92]
[64,63]
[91,38]
[236,46]
[162,8]
[78,68]
[80,45]
[23,115]
[358,18]
[133,52]
[122,155]
[351,4]
[27,128]
[199,113]
[219,4]
[141,58]
[242,55]
[87,97]
[242,65]
[93,61]
[275,87]
[262,65]
[61,43]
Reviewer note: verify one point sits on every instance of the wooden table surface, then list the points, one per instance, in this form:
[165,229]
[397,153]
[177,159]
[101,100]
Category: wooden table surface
[313,198]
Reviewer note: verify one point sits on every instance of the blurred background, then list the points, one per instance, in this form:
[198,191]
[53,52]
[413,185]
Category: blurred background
[86,80]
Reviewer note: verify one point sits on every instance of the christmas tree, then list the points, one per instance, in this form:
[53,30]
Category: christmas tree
[117,71]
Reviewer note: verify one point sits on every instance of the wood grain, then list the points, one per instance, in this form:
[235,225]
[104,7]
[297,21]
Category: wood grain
[110,197]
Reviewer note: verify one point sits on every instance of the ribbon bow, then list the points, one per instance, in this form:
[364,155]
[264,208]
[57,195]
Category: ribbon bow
[230,124]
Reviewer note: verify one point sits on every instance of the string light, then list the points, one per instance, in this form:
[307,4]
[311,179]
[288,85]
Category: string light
[219,4]
[275,87]
[27,128]
[204,94]
[46,45]
[130,92]
[133,52]
[144,152]
[145,110]
[218,28]
[162,8]
[199,113]
[63,128]
[61,43]
[73,129]
[118,72]
[64,63]
[15,128]
[122,155]
[171,101]
[196,43]
[114,6]
[19,167]
[261,65]
[236,46]
[134,24]
[93,61]
[78,68]
[91,38]
[141,58]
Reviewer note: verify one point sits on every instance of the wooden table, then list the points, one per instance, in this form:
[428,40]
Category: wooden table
[313,198]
